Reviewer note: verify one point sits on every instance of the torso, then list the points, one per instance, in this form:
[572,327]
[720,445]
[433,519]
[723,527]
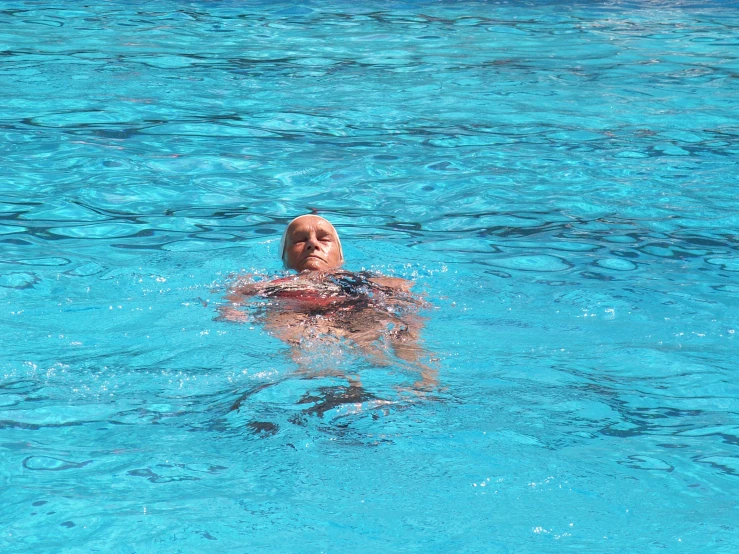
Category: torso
[326,295]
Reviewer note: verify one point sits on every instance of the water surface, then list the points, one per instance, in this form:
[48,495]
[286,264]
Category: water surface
[559,178]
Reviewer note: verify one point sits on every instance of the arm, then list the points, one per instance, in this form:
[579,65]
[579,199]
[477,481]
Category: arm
[235,298]
[400,292]
[407,345]
[406,342]
[395,283]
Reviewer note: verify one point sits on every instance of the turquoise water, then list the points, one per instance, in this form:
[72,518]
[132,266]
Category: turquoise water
[560,180]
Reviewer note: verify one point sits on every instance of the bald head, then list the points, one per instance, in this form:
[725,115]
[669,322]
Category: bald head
[311,243]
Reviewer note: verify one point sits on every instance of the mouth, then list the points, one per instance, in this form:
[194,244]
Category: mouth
[312,261]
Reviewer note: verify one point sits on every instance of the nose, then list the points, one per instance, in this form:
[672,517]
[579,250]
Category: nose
[311,244]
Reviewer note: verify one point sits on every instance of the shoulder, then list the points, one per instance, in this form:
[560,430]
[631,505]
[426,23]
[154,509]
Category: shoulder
[393,282]
[248,285]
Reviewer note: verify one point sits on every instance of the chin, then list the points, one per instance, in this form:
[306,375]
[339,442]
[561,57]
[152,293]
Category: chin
[313,265]
[317,265]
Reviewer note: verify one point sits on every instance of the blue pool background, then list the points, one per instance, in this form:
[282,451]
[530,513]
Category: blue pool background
[560,179]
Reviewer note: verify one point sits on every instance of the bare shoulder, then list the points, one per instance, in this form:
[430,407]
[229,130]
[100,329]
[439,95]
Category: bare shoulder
[246,285]
[246,289]
[396,283]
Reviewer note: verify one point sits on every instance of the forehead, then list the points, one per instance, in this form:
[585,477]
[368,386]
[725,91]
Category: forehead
[310,223]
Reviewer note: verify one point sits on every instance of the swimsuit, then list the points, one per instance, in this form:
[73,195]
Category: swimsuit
[338,292]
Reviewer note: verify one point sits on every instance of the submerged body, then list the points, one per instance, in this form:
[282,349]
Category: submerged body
[378,315]
[323,303]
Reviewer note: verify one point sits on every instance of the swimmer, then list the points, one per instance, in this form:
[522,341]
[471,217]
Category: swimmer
[324,303]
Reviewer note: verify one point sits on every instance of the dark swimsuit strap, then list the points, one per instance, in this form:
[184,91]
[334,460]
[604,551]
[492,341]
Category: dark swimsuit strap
[357,284]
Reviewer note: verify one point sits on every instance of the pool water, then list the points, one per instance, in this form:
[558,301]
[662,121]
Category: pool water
[560,180]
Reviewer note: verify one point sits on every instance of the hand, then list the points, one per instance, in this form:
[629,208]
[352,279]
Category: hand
[228,313]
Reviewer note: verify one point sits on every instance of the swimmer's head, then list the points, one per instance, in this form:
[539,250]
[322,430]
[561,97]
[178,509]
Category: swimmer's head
[310,243]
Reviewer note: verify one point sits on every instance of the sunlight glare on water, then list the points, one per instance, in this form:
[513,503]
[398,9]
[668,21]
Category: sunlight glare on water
[559,179]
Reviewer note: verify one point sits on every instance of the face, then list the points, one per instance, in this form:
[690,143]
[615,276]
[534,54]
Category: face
[312,245]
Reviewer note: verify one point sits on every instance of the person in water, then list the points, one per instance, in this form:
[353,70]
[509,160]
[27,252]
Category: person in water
[323,303]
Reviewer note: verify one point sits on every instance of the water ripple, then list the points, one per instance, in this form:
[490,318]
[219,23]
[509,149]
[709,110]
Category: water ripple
[558,179]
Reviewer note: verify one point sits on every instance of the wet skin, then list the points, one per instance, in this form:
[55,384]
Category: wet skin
[305,309]
[312,245]
[386,325]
